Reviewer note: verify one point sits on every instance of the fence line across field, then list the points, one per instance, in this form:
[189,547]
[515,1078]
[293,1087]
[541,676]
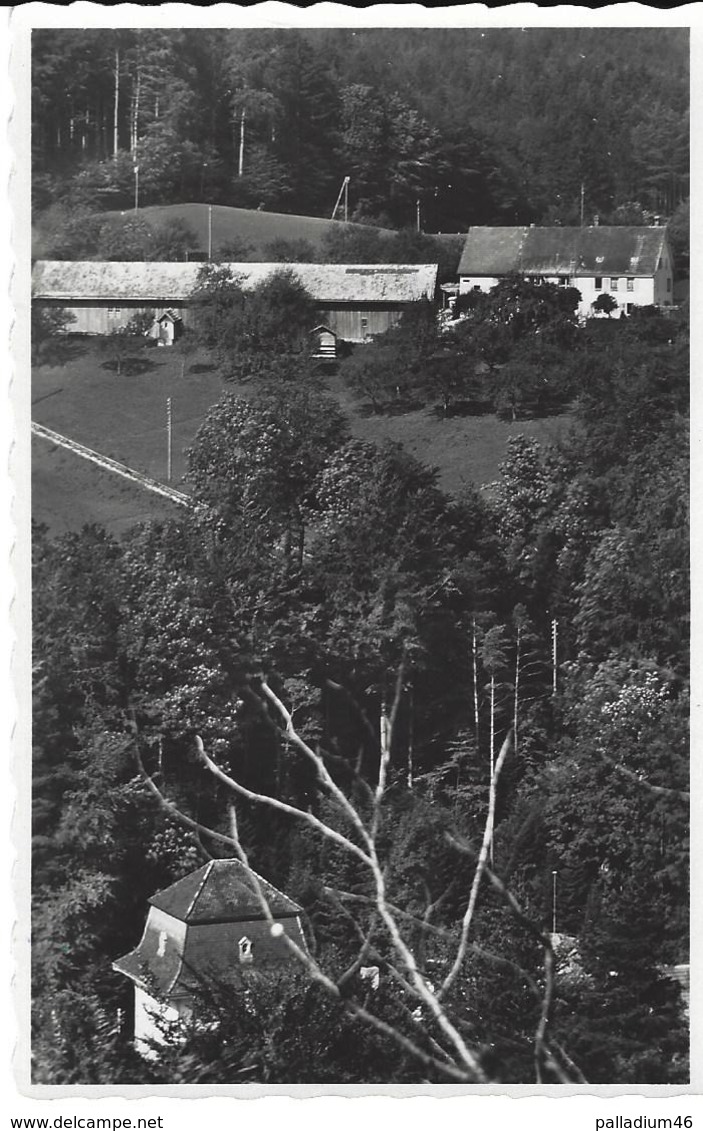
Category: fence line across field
[112,465]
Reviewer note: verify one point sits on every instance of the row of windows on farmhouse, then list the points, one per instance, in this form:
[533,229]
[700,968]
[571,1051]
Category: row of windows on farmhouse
[601,283]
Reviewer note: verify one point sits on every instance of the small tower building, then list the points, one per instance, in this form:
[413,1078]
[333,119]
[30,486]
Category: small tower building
[208,927]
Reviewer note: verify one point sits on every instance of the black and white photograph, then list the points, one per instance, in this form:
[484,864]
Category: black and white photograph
[359,556]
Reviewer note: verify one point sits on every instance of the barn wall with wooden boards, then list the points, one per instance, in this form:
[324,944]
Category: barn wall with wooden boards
[357,325]
[105,317]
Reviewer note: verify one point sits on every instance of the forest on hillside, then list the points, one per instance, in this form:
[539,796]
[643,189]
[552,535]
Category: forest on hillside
[493,126]
[453,729]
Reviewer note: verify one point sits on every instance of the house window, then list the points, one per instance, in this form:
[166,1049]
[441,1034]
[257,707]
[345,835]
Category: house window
[660,264]
[598,281]
[563,280]
[630,306]
[246,954]
[668,284]
[630,284]
[114,310]
[613,284]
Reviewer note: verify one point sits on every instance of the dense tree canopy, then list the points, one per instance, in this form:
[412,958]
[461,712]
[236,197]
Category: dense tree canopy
[553,609]
[468,125]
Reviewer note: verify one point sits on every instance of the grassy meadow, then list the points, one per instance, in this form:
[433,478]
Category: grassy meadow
[124,417]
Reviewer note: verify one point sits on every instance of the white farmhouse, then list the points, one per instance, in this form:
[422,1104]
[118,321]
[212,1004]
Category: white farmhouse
[633,265]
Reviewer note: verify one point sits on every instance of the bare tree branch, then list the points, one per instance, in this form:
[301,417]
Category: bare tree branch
[545,941]
[480,866]
[386,735]
[281,806]
[315,971]
[173,811]
[316,760]
[658,790]
[467,1059]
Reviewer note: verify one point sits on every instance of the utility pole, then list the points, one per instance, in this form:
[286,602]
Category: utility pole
[209,233]
[411,736]
[417,212]
[554,902]
[116,114]
[583,190]
[343,192]
[555,625]
[169,440]
[136,188]
[240,162]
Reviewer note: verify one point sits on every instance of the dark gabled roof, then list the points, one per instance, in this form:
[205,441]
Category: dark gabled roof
[222,891]
[591,251]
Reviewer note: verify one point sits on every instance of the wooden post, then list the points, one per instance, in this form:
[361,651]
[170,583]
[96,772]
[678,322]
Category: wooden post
[240,163]
[169,440]
[474,657]
[209,233]
[117,103]
[411,736]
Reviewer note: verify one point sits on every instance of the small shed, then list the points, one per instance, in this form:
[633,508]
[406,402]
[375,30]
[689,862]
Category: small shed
[324,343]
[208,927]
[167,328]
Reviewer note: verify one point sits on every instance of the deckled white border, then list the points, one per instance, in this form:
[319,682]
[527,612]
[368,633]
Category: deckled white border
[493,1103]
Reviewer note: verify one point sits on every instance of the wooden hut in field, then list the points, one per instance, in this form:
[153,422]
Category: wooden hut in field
[324,343]
[354,301]
[166,328]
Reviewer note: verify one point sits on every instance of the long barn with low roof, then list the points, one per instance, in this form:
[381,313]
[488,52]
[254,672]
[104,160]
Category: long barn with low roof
[355,301]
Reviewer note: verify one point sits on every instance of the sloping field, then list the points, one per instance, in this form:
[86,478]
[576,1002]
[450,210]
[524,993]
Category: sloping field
[68,492]
[125,418]
[120,417]
[466,450]
[254,228]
